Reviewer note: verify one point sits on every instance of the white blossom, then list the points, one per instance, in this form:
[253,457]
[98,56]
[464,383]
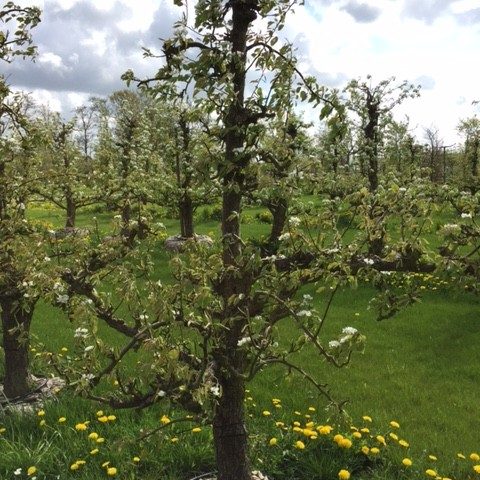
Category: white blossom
[368,261]
[349,331]
[215,390]
[333,344]
[89,348]
[466,215]
[18,471]
[62,298]
[284,236]
[295,221]
[304,313]
[243,341]
[81,333]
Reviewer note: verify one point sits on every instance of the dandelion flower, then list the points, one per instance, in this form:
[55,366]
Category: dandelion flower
[431,473]
[374,451]
[365,450]
[366,418]
[196,430]
[381,439]
[299,445]
[394,424]
[345,443]
[356,435]
[136,459]
[343,474]
[103,419]
[111,418]
[474,457]
[165,420]
[266,413]
[74,466]
[100,440]
[407,462]
[111,471]
[273,441]
[31,471]
[338,438]
[80,427]
[41,413]
[476,468]
[94,451]
[461,455]
[432,457]
[403,443]
[62,420]
[93,436]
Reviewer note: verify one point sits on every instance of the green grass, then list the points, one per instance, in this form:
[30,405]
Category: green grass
[419,368]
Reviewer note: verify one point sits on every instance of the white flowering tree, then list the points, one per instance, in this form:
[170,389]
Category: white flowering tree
[21,255]
[212,329]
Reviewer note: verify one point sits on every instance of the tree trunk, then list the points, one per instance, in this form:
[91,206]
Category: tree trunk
[16,328]
[279,211]
[71,210]
[186,216]
[229,432]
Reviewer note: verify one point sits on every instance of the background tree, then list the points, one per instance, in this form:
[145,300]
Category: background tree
[470,129]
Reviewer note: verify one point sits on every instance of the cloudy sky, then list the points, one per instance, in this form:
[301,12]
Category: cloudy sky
[85,45]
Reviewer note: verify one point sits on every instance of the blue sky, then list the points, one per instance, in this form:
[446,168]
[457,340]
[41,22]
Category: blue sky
[85,45]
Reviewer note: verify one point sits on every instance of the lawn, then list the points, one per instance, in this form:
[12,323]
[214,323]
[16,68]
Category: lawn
[419,368]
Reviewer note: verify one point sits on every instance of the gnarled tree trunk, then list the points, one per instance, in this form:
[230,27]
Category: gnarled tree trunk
[15,328]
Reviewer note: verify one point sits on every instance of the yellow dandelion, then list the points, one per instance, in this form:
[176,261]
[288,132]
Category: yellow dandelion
[476,468]
[100,440]
[432,457]
[103,419]
[111,418]
[407,462]
[431,473]
[324,430]
[299,445]
[272,442]
[196,430]
[365,450]
[111,471]
[93,436]
[394,424]
[80,427]
[356,435]
[100,413]
[41,413]
[94,451]
[381,439]
[403,443]
[136,459]
[474,457]
[266,413]
[165,420]
[461,455]
[62,420]
[338,438]
[74,466]
[374,451]
[31,471]
[366,418]
[393,436]
[345,443]
[343,474]
[174,439]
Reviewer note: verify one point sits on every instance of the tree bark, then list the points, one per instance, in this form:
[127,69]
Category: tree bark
[186,216]
[16,327]
[71,209]
[279,211]
[229,432]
